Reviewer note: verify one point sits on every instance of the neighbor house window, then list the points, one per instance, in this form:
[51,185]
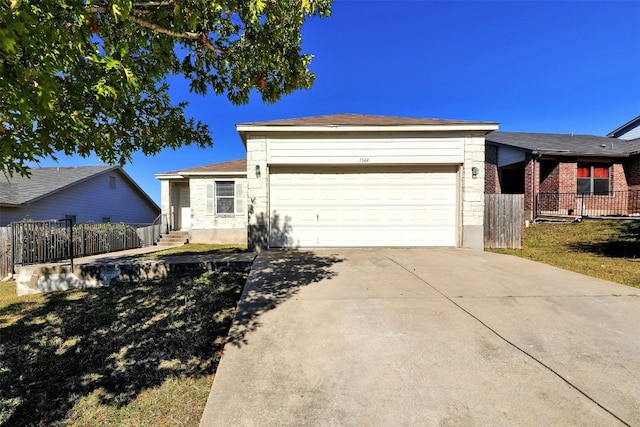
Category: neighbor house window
[224,197]
[71,217]
[593,179]
[112,182]
[106,219]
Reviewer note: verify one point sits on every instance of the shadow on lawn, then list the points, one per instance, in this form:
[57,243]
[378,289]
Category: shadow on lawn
[275,277]
[625,243]
[111,341]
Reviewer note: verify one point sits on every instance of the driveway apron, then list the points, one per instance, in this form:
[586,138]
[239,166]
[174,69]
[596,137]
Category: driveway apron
[383,337]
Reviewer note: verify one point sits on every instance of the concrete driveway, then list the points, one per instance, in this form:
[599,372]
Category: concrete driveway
[386,337]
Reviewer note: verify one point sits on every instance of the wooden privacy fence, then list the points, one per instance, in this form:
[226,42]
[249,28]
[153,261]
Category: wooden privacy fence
[503,221]
[33,242]
[5,252]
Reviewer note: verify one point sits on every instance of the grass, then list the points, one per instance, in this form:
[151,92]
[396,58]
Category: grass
[608,250]
[197,249]
[133,354]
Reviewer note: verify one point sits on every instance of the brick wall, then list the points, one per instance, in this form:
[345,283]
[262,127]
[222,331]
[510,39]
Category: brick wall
[491,177]
[549,176]
[632,172]
[568,182]
[618,178]
[531,176]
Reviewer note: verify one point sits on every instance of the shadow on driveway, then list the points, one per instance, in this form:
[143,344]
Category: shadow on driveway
[275,277]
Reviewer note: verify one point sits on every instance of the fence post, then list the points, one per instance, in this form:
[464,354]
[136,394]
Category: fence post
[70,224]
[13,250]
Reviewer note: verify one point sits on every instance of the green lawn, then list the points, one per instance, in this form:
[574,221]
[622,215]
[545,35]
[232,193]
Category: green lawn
[605,249]
[127,355]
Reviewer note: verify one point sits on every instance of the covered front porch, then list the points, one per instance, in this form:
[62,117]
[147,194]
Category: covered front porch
[176,203]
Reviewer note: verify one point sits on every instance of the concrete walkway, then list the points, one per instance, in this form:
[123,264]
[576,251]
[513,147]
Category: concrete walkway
[410,337]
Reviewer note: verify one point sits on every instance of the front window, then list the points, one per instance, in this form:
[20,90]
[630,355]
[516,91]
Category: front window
[225,197]
[593,179]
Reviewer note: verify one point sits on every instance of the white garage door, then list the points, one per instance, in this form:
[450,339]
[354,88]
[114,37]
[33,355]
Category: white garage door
[363,206]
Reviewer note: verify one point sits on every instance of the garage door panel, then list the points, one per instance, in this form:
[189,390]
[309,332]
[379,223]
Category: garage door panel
[373,206]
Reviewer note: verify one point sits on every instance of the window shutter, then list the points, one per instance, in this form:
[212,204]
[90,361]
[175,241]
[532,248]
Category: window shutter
[210,199]
[239,198]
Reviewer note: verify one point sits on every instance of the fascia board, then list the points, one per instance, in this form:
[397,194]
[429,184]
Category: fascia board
[462,127]
[242,173]
[168,176]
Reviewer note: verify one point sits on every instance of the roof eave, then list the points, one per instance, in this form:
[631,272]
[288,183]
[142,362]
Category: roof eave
[482,127]
[624,127]
[515,147]
[168,176]
[576,154]
[183,175]
[218,173]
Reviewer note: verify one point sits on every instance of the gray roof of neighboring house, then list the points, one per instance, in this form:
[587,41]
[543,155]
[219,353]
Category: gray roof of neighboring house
[624,128]
[346,119]
[566,144]
[44,182]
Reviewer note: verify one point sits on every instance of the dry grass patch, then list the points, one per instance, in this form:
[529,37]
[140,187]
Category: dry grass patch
[129,355]
[197,249]
[608,250]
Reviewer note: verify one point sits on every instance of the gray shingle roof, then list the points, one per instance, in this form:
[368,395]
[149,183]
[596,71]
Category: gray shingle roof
[345,119]
[239,165]
[566,144]
[45,181]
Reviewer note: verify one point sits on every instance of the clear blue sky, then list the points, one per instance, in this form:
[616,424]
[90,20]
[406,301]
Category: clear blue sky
[532,66]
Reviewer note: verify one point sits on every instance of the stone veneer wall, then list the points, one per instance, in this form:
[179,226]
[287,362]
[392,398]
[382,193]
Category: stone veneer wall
[211,228]
[473,193]
[257,194]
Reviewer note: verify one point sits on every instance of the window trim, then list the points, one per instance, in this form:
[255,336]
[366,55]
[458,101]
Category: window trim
[592,179]
[231,197]
[211,197]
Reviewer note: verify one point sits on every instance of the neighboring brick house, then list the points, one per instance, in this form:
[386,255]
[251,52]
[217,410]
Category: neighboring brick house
[207,201]
[82,194]
[570,166]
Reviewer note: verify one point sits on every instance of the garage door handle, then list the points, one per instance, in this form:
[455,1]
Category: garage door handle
[318,217]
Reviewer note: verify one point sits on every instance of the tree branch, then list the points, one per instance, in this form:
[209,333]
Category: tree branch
[201,38]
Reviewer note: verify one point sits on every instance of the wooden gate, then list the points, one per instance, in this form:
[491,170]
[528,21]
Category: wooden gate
[503,221]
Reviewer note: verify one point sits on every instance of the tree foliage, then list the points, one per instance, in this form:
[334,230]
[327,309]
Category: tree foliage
[83,76]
